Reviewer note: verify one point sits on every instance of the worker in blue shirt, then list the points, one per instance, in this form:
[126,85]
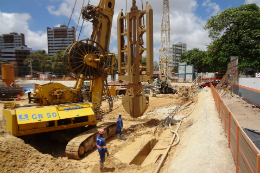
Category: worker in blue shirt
[102,149]
[119,126]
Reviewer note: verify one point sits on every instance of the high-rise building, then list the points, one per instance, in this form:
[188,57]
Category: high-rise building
[11,40]
[175,53]
[59,38]
[14,50]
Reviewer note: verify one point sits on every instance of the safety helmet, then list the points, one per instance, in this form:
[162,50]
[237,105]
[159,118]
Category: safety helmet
[119,114]
[101,131]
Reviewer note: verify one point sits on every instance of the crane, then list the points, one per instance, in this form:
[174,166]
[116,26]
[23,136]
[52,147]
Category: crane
[164,50]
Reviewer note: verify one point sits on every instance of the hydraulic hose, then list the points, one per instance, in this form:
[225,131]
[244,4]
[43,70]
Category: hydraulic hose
[175,133]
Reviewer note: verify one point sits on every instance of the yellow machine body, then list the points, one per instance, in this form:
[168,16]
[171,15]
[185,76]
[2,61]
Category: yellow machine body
[8,74]
[58,107]
[131,46]
[30,120]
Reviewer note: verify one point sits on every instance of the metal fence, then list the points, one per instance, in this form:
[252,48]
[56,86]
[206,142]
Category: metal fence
[246,155]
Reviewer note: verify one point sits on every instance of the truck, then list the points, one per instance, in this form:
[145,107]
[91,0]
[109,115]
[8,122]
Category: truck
[218,77]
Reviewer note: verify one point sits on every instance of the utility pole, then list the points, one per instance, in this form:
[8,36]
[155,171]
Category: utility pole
[31,67]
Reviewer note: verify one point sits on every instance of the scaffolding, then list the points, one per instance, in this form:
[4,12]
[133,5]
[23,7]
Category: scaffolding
[230,77]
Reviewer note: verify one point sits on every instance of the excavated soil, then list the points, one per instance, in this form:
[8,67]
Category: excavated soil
[202,147]
[16,156]
[247,114]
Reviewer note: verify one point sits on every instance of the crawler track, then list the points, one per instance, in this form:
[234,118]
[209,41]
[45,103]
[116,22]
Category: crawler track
[86,141]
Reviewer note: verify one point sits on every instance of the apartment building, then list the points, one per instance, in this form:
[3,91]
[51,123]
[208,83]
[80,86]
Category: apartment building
[11,40]
[59,38]
[14,50]
[175,53]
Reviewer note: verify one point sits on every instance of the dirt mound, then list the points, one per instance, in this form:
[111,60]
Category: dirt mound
[203,147]
[16,156]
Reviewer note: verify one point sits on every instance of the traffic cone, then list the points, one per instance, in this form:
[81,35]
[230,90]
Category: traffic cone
[18,97]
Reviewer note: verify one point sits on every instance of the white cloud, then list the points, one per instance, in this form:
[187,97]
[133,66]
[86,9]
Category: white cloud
[114,50]
[18,22]
[58,25]
[64,9]
[186,26]
[257,2]
[211,6]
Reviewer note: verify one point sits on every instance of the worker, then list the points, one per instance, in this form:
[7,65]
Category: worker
[102,149]
[119,126]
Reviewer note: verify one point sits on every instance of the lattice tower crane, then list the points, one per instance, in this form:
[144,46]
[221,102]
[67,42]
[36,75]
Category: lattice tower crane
[165,46]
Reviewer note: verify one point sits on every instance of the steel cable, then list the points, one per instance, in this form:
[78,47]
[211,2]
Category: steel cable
[63,39]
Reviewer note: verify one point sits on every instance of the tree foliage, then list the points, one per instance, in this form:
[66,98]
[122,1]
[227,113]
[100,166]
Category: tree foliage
[175,69]
[144,61]
[57,63]
[235,32]
[40,61]
[197,58]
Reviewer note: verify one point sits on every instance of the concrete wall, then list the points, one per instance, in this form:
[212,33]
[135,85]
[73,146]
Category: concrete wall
[249,89]
[252,95]
[66,83]
[41,82]
[253,83]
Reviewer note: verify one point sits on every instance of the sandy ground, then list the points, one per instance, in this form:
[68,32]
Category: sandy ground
[202,148]
[248,115]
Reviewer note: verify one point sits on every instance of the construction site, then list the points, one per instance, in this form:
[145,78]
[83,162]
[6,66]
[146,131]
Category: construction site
[167,126]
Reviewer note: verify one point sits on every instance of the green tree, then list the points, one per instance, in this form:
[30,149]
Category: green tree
[175,69]
[144,61]
[56,62]
[235,32]
[40,61]
[197,58]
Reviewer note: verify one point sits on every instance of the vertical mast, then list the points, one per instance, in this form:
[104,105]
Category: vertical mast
[165,42]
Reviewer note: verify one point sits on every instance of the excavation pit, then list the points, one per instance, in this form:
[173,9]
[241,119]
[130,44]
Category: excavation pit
[144,152]
[137,152]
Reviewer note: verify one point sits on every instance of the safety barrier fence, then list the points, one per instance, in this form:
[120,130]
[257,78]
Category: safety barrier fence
[246,155]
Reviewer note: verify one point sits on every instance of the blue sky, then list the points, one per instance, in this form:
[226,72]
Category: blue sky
[187,17]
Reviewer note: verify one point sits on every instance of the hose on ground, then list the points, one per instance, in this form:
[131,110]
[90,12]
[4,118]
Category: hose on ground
[175,133]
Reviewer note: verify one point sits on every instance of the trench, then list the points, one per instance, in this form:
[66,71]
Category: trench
[144,152]
[54,143]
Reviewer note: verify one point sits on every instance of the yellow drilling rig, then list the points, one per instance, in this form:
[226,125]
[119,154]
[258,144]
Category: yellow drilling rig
[57,107]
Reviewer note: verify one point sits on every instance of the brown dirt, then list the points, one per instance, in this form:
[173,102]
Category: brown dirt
[247,115]
[16,156]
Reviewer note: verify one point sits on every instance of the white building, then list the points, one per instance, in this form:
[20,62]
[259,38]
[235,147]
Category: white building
[11,40]
[175,53]
[59,38]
